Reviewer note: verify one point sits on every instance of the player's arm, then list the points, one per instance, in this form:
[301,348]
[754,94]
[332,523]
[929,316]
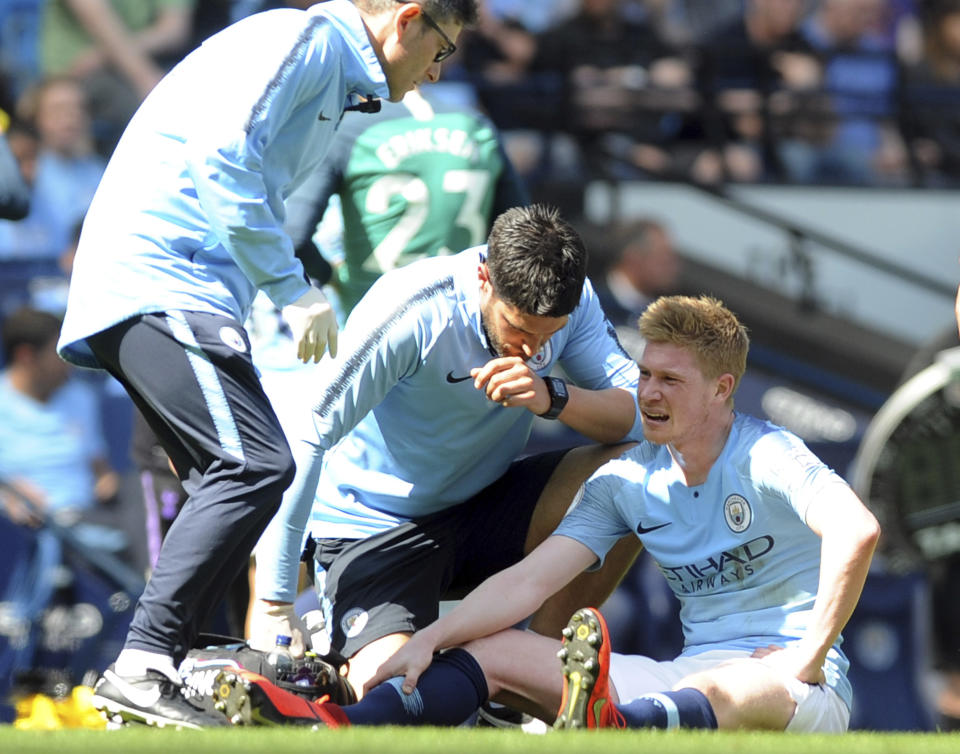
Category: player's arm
[307,206]
[605,415]
[498,603]
[227,163]
[349,388]
[278,554]
[602,405]
[598,364]
[849,534]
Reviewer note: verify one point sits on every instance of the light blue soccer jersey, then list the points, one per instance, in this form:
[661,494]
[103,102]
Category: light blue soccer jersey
[405,431]
[735,550]
[189,213]
[408,434]
[52,444]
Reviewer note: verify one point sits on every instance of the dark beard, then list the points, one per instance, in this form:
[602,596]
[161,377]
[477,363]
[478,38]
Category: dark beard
[494,346]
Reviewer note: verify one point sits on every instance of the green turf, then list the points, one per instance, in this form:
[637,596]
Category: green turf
[463,741]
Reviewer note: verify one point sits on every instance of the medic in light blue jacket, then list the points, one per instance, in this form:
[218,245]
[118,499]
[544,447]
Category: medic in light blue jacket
[189,213]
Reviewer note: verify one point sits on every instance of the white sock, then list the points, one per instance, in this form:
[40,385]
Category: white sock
[134,662]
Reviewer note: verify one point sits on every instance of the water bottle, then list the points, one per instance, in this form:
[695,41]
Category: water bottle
[280,658]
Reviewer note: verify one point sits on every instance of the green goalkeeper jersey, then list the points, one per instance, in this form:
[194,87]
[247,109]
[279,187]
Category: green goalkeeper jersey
[414,180]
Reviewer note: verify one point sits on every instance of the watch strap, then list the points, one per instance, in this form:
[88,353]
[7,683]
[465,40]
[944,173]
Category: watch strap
[559,396]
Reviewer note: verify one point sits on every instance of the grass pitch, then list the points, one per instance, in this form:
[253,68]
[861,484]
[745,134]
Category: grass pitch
[144,740]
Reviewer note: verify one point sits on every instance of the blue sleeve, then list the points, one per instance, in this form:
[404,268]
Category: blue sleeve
[594,358]
[594,521]
[280,545]
[228,164]
[789,469]
[371,359]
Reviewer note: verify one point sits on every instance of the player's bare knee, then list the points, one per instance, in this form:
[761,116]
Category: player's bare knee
[489,653]
[362,665]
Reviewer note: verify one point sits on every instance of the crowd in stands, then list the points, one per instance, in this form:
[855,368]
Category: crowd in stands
[854,92]
[845,92]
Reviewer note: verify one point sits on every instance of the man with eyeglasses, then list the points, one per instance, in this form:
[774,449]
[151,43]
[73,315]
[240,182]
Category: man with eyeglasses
[184,229]
[449,47]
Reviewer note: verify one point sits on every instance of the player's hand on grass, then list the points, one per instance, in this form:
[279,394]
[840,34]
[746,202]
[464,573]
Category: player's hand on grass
[410,661]
[269,619]
[793,660]
[314,325]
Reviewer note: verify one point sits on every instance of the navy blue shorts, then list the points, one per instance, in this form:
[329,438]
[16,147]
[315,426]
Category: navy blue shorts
[393,582]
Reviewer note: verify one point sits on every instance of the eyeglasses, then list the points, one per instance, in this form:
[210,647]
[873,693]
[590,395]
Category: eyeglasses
[450,48]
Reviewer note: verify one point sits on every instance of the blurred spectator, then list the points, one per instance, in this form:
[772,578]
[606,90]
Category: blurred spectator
[499,49]
[495,58]
[14,191]
[751,69]
[536,16]
[118,48]
[25,147]
[19,47]
[931,104]
[686,22]
[612,65]
[163,495]
[210,16]
[861,145]
[53,469]
[644,265]
[51,441]
[65,175]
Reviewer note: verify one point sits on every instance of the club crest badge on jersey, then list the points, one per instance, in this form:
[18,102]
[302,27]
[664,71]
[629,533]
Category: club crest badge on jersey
[354,622]
[542,358]
[232,338]
[737,512]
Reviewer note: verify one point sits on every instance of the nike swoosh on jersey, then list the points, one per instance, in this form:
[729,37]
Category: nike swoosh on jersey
[641,529]
[143,698]
[452,379]
[321,116]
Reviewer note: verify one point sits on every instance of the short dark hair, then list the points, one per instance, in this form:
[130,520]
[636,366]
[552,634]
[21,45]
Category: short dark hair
[462,11]
[27,326]
[537,261]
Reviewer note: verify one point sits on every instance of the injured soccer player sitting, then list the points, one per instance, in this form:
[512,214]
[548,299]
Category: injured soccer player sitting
[766,548]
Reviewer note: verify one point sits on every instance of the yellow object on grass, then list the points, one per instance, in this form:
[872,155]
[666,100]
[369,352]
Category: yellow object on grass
[41,712]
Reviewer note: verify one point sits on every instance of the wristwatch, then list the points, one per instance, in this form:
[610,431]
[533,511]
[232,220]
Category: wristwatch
[558,397]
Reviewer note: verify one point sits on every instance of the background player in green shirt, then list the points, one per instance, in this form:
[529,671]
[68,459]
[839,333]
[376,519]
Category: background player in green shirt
[418,179]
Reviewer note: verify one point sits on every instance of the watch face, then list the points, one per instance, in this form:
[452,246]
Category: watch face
[907,470]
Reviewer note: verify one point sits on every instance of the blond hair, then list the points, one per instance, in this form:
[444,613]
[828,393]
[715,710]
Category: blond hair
[705,326]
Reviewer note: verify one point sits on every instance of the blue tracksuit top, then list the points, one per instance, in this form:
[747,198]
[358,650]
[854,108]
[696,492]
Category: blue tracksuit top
[189,213]
[400,430]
